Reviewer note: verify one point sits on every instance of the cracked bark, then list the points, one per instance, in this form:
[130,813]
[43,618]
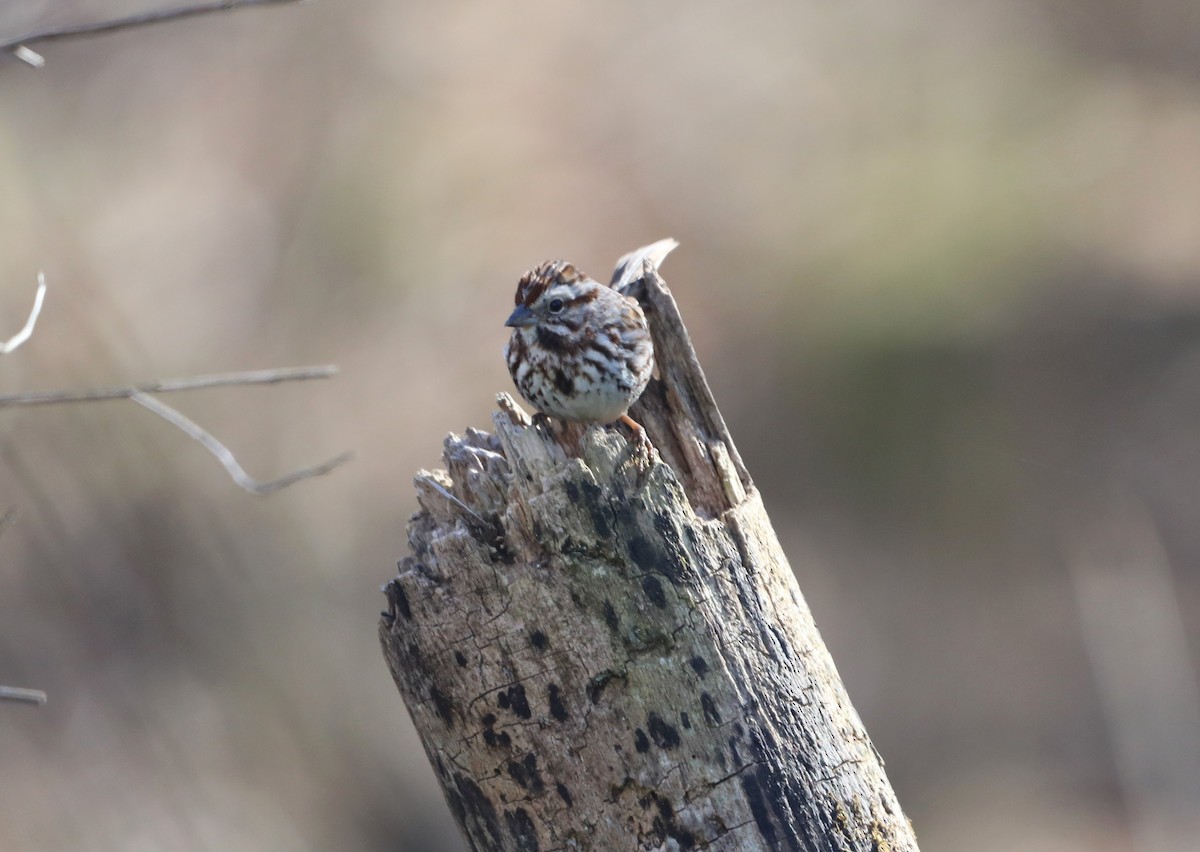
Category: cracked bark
[603,650]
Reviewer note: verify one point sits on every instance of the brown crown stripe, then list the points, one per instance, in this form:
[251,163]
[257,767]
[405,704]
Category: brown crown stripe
[535,282]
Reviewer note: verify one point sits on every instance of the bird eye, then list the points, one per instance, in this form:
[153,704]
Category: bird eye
[555,305]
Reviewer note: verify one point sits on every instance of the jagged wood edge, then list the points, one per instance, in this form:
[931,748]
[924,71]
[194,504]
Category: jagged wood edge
[846,804]
[679,411]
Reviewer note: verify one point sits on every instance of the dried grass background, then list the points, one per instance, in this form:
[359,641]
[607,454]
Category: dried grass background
[941,263]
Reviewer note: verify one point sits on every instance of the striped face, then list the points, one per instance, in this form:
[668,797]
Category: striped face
[579,350]
[553,305]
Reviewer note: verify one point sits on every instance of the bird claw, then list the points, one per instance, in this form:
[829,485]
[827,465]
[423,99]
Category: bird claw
[638,450]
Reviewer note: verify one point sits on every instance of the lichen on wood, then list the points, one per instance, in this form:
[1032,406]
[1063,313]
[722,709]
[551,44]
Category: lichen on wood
[603,648]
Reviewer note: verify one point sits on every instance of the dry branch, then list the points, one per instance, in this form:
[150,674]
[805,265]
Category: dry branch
[216,380]
[19,46]
[26,331]
[141,395]
[603,651]
[226,457]
[23,695]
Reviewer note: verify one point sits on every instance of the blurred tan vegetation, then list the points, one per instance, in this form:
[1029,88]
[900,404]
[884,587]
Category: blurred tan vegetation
[941,263]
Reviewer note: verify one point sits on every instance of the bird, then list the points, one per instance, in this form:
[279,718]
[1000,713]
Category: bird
[580,350]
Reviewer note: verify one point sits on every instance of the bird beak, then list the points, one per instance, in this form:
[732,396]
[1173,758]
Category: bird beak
[522,317]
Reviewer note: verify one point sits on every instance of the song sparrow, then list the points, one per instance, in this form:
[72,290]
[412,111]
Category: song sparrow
[581,350]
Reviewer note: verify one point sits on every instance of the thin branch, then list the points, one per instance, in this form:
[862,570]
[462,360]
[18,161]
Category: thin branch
[19,45]
[27,332]
[17,693]
[250,377]
[28,56]
[226,457]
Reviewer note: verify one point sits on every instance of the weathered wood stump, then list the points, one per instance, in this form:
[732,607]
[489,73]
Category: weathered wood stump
[607,650]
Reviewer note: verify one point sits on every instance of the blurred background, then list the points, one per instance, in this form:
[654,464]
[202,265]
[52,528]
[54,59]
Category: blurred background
[941,263]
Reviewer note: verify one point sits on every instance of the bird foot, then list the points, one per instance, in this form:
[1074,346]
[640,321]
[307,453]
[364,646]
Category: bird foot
[639,448]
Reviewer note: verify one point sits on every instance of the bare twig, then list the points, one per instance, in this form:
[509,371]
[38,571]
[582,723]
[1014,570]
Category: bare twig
[225,457]
[250,377]
[19,46]
[17,693]
[141,395]
[28,56]
[27,332]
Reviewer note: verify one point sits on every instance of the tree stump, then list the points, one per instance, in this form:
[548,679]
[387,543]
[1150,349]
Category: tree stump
[603,648]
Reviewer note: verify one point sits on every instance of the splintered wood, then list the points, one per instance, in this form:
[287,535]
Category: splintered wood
[605,648]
